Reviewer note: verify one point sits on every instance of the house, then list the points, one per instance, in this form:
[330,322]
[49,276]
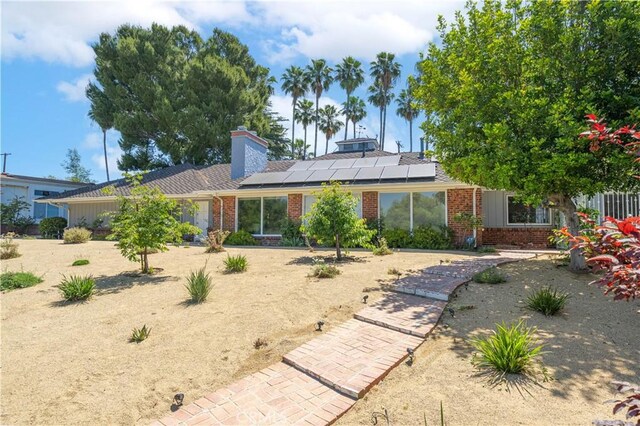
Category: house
[30,188]
[405,190]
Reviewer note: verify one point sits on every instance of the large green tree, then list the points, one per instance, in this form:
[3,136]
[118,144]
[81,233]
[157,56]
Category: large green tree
[350,75]
[175,96]
[320,77]
[407,110]
[355,110]
[330,125]
[509,86]
[295,82]
[304,116]
[385,71]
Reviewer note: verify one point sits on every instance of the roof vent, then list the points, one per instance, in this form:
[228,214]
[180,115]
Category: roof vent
[242,128]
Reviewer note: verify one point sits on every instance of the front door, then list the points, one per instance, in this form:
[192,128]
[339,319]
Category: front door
[201,219]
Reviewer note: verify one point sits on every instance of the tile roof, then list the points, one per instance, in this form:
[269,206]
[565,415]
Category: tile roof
[44,180]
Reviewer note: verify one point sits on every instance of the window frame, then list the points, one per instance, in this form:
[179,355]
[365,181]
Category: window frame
[261,234]
[411,227]
[356,194]
[506,210]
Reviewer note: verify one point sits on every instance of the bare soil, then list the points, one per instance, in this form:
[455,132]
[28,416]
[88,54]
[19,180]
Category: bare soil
[593,342]
[73,364]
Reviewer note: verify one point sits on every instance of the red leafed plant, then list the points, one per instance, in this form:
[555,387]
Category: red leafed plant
[631,402]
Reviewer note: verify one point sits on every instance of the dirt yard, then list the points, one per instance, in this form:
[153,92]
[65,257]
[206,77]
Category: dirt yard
[595,341]
[73,364]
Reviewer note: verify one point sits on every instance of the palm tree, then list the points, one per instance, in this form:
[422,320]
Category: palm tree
[385,70]
[300,148]
[101,112]
[305,116]
[355,110]
[377,99]
[320,78]
[296,84]
[407,111]
[350,75]
[329,123]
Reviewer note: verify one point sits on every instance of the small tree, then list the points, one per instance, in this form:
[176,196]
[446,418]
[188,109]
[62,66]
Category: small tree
[333,219]
[146,221]
[76,172]
[11,215]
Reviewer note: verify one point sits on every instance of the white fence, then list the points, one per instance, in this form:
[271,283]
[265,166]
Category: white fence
[615,204]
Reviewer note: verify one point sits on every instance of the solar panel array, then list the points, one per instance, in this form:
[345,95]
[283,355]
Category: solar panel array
[361,169]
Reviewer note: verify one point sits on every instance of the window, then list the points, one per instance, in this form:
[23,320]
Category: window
[519,213]
[42,193]
[408,210]
[262,216]
[310,199]
[40,211]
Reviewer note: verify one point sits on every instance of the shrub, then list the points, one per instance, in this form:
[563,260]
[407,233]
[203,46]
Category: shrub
[22,224]
[8,249]
[394,271]
[397,237]
[487,249]
[322,270]
[292,242]
[140,334]
[237,263]
[382,249]
[215,239]
[241,238]
[630,403]
[510,350]
[14,280]
[199,285]
[259,343]
[76,235]
[80,262]
[77,287]
[547,301]
[428,238]
[52,227]
[490,276]
[291,229]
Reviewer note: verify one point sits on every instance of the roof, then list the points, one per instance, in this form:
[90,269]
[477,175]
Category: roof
[43,180]
[187,179]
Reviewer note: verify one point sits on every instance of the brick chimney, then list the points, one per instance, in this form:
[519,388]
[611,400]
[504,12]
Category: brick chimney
[248,153]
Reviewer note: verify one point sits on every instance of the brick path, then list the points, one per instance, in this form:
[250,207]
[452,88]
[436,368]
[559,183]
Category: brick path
[320,380]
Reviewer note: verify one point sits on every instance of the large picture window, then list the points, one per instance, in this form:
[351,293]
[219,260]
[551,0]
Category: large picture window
[395,210]
[429,209]
[262,216]
[520,214]
[408,210]
[310,199]
[40,211]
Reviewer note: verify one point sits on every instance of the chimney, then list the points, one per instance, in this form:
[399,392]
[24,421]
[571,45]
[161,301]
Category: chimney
[248,153]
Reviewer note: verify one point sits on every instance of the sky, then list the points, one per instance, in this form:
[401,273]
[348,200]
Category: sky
[47,62]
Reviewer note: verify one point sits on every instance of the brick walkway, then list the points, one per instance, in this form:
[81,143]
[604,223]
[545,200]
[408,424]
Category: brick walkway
[319,381]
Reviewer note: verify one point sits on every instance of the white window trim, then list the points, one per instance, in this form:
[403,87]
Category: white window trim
[446,205]
[261,234]
[520,224]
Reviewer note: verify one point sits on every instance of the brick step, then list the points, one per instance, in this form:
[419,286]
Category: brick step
[279,394]
[405,313]
[432,286]
[353,356]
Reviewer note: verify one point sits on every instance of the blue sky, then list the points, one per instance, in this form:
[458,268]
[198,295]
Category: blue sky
[47,61]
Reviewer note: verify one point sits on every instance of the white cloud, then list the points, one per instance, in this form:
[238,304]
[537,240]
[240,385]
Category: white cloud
[75,91]
[93,141]
[113,155]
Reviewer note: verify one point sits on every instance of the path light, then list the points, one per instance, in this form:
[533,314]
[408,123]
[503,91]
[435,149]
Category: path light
[384,415]
[452,312]
[364,298]
[466,285]
[412,356]
[319,325]
[178,399]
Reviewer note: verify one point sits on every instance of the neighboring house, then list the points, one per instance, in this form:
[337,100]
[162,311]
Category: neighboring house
[30,188]
[257,195]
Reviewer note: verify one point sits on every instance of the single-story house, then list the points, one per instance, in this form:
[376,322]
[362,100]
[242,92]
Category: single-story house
[405,190]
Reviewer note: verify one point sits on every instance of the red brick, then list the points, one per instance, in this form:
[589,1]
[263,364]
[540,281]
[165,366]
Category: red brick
[370,205]
[294,206]
[533,237]
[460,200]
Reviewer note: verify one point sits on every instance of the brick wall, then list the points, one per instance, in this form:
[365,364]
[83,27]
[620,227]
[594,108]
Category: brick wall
[370,205]
[215,213]
[228,213]
[294,207]
[461,201]
[521,237]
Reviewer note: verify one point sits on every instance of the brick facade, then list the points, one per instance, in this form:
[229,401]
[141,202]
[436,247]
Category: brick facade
[370,205]
[521,237]
[228,213]
[461,201]
[294,206]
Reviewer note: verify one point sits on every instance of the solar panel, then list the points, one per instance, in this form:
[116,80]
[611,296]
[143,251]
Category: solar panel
[395,172]
[320,176]
[422,170]
[369,173]
[266,178]
[321,165]
[298,176]
[391,160]
[365,162]
[301,165]
[345,174]
[344,163]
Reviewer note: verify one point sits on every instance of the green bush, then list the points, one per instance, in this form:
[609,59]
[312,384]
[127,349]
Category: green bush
[291,229]
[397,237]
[80,262]
[237,263]
[487,249]
[76,235]
[382,249]
[510,350]
[241,238]
[76,287]
[14,280]
[140,334]
[490,276]
[52,227]
[199,285]
[292,242]
[322,270]
[8,249]
[547,301]
[428,238]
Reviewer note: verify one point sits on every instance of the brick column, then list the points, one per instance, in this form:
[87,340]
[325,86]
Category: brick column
[215,213]
[294,206]
[370,205]
[228,213]
[461,201]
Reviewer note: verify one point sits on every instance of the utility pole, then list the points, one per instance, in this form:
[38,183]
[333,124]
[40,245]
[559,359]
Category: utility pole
[4,161]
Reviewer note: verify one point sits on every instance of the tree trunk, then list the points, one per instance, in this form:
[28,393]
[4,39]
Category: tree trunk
[354,129]
[410,135]
[326,147]
[346,117]
[145,261]
[338,251]
[566,205]
[304,148]
[293,130]
[104,145]
[315,143]
[384,126]
[380,141]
